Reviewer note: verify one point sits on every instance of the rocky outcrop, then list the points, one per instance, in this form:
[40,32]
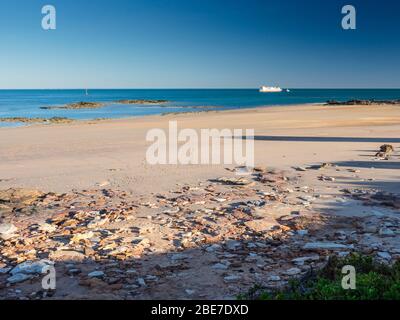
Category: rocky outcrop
[77,106]
[37,120]
[141,101]
[226,234]
[385,151]
[362,102]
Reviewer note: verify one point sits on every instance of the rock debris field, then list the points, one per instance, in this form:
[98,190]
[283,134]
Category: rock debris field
[212,240]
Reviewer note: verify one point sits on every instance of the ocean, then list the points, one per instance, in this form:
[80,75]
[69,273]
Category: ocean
[28,103]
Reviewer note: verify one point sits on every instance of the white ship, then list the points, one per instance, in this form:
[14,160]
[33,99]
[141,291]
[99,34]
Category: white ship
[270,89]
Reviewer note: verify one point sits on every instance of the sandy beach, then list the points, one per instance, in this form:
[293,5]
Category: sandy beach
[184,234]
[85,154]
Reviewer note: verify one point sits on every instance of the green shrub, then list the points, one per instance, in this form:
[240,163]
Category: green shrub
[374,281]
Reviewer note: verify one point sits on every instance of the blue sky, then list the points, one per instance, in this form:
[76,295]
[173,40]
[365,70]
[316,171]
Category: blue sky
[199,43]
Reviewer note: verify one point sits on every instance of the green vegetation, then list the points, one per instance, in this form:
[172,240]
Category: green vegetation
[374,281]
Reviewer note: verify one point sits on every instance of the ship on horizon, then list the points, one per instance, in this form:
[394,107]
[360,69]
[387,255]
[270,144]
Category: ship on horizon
[270,89]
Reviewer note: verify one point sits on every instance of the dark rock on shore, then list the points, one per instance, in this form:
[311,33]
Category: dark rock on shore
[385,151]
[362,102]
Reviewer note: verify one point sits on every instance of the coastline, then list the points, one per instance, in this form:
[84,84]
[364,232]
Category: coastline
[201,110]
[197,109]
[177,231]
[37,147]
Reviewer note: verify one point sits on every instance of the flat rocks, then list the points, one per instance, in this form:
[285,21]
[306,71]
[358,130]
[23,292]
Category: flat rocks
[233,181]
[7,231]
[76,106]
[46,227]
[4,270]
[26,271]
[142,101]
[326,246]
[384,255]
[219,266]
[301,260]
[20,196]
[19,277]
[232,278]
[82,236]
[67,255]
[29,267]
[262,225]
[96,274]
[386,232]
[293,271]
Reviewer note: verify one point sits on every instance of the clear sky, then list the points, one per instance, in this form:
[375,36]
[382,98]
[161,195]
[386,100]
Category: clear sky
[199,43]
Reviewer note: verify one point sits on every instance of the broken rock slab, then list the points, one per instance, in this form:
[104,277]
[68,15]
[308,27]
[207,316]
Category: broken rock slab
[19,277]
[301,260]
[293,271]
[30,267]
[233,181]
[326,246]
[27,270]
[262,225]
[67,255]
[7,231]
[20,196]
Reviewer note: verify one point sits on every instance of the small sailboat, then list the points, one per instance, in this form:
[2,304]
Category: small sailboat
[86,92]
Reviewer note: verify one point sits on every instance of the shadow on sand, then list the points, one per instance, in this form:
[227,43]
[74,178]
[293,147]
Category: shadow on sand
[325,139]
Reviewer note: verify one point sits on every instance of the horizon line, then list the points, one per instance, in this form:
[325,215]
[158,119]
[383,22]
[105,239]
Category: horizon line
[205,88]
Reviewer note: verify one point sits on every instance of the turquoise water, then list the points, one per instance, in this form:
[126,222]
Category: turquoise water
[27,103]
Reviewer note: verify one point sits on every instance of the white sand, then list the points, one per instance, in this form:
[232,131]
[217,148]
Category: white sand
[85,154]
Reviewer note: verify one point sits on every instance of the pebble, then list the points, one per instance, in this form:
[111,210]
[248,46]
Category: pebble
[46,227]
[7,231]
[302,232]
[233,245]
[293,271]
[274,278]
[4,270]
[326,246]
[141,282]
[180,256]
[232,278]
[384,255]
[219,266]
[19,277]
[301,260]
[213,248]
[96,274]
[385,232]
[66,255]
[73,272]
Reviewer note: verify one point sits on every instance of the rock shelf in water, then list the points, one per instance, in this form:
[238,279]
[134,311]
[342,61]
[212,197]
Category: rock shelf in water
[96,105]
[362,102]
[37,120]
